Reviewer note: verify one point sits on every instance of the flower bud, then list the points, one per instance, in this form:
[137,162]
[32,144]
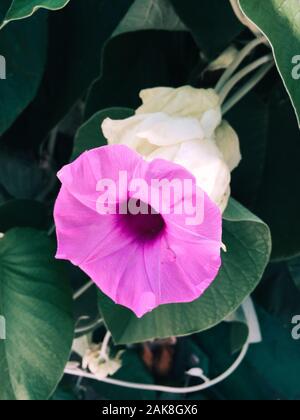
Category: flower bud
[184,126]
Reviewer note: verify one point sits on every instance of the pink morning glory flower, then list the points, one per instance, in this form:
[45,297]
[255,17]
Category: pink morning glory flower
[144,259]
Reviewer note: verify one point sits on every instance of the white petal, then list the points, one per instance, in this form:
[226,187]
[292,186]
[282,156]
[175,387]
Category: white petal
[167,153]
[123,131]
[210,121]
[141,132]
[185,101]
[205,162]
[228,143]
[163,130]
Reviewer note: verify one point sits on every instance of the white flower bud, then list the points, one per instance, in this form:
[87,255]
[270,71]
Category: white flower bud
[184,126]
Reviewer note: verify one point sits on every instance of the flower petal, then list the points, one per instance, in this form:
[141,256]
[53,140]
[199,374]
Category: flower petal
[137,271]
[185,101]
[81,177]
[210,121]
[82,233]
[124,278]
[228,142]
[158,129]
[191,257]
[163,130]
[194,277]
[207,164]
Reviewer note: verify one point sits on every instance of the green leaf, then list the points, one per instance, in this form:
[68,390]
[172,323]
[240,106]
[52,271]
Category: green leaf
[217,344]
[36,301]
[276,359]
[97,19]
[21,9]
[278,202]
[279,20]
[278,293]
[20,176]
[271,191]
[270,370]
[248,242]
[140,60]
[64,85]
[22,213]
[90,135]
[212,23]
[250,119]
[24,66]
[150,14]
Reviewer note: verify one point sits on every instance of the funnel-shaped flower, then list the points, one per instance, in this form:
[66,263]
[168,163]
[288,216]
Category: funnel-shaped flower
[139,259]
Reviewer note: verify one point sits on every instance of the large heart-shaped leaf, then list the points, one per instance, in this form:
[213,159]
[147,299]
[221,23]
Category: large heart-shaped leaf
[212,23]
[250,119]
[270,370]
[279,20]
[80,61]
[36,301]
[24,66]
[140,60]
[276,359]
[249,244]
[269,137]
[278,201]
[21,9]
[278,293]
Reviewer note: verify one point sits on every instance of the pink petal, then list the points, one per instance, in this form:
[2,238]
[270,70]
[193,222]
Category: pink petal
[81,176]
[123,277]
[82,233]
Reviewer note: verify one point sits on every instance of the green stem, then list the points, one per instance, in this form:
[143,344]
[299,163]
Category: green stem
[241,75]
[83,289]
[247,88]
[240,58]
[90,327]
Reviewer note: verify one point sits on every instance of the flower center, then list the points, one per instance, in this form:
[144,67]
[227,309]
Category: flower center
[147,224]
